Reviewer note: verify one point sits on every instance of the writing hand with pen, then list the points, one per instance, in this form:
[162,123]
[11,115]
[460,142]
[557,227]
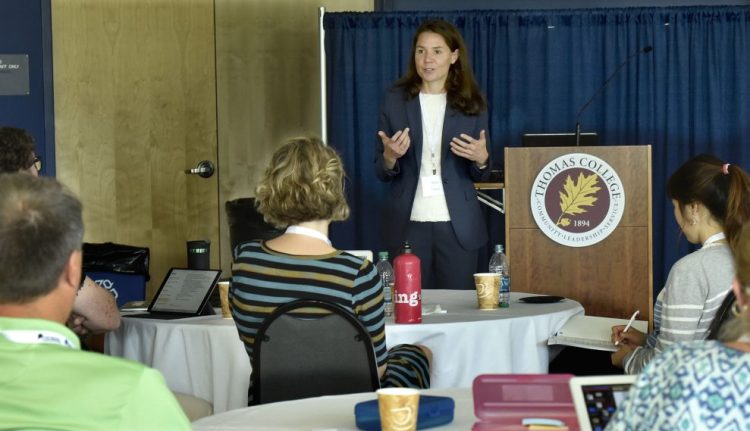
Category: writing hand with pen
[628,339]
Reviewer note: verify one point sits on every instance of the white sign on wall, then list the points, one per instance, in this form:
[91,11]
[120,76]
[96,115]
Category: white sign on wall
[14,74]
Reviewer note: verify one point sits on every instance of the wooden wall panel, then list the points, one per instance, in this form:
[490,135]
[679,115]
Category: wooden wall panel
[135,105]
[268,86]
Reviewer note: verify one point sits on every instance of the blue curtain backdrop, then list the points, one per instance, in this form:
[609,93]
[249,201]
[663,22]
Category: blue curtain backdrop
[690,95]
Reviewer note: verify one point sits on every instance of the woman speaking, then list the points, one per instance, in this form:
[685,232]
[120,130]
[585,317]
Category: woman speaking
[433,146]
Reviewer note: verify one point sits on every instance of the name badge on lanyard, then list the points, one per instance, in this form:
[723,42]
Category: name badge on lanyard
[23,336]
[432,185]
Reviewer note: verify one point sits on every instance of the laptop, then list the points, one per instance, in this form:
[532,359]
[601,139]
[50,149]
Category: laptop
[587,139]
[596,398]
[183,293]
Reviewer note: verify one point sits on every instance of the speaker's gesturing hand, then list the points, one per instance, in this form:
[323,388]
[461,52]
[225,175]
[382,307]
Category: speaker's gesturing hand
[395,146]
[469,148]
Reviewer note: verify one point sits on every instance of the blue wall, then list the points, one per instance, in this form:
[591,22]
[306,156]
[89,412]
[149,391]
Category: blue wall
[25,28]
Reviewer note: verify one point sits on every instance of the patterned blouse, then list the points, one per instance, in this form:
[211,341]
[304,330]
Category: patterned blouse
[696,385]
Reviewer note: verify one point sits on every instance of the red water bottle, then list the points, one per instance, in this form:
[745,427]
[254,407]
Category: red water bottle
[407,298]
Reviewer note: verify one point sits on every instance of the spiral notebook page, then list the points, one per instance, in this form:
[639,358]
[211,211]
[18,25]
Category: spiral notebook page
[591,332]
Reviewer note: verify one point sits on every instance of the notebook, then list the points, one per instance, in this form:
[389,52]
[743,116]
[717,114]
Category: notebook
[591,332]
[596,398]
[183,293]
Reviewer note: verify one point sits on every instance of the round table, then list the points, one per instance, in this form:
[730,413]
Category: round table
[204,357]
[466,341]
[324,413]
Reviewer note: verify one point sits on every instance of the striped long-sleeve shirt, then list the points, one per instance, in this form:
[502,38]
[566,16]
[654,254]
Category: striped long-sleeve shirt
[263,279]
[684,309]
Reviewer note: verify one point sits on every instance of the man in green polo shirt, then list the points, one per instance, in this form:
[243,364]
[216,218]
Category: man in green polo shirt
[46,381]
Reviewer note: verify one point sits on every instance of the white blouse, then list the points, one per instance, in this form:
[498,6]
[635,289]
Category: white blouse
[430,208]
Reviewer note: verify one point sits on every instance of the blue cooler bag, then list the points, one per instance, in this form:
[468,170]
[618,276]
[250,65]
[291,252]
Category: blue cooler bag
[121,269]
[433,411]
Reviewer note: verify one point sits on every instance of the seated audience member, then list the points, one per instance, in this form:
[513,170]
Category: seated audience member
[302,190]
[711,202]
[95,309]
[698,385]
[46,381]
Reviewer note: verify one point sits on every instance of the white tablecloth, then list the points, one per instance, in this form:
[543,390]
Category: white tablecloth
[324,413]
[200,356]
[467,341]
[204,357]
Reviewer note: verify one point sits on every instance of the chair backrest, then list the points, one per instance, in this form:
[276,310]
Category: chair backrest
[721,317]
[310,348]
[246,223]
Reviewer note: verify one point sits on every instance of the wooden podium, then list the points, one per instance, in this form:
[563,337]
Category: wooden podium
[611,278]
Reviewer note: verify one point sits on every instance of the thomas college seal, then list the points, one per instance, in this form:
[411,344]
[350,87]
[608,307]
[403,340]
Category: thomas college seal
[577,200]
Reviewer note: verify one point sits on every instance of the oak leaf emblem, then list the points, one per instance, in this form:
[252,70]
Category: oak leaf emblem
[576,196]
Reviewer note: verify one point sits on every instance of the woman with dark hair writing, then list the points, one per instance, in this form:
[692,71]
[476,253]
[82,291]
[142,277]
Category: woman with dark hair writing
[711,202]
[433,146]
[698,385]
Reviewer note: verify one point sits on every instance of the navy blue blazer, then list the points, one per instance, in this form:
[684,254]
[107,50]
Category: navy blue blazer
[458,174]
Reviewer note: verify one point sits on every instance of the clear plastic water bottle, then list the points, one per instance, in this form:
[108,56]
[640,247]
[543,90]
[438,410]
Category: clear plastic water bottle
[386,278]
[499,265]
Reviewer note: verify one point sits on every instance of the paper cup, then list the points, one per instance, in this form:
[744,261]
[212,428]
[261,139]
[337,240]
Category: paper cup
[488,290]
[398,408]
[224,298]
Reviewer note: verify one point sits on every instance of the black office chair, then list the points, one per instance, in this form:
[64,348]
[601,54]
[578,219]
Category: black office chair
[246,223]
[722,316]
[310,348]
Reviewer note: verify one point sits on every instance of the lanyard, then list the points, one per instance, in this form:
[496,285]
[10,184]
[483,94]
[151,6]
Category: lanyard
[306,231]
[713,238]
[27,336]
[432,118]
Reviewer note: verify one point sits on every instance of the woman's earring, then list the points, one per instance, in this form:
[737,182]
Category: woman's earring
[738,309]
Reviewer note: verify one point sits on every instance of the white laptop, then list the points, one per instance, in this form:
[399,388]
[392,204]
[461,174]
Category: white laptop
[183,293]
[596,398]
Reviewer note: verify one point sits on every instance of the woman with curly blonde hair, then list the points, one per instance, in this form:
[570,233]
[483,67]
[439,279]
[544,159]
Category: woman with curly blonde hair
[303,183]
[302,191]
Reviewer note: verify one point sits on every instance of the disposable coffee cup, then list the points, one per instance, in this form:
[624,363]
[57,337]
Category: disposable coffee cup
[399,408]
[224,298]
[488,290]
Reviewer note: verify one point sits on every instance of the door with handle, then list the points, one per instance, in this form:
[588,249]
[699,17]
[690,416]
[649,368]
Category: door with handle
[147,114]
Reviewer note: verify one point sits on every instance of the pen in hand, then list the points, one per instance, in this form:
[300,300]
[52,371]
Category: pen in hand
[630,322]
